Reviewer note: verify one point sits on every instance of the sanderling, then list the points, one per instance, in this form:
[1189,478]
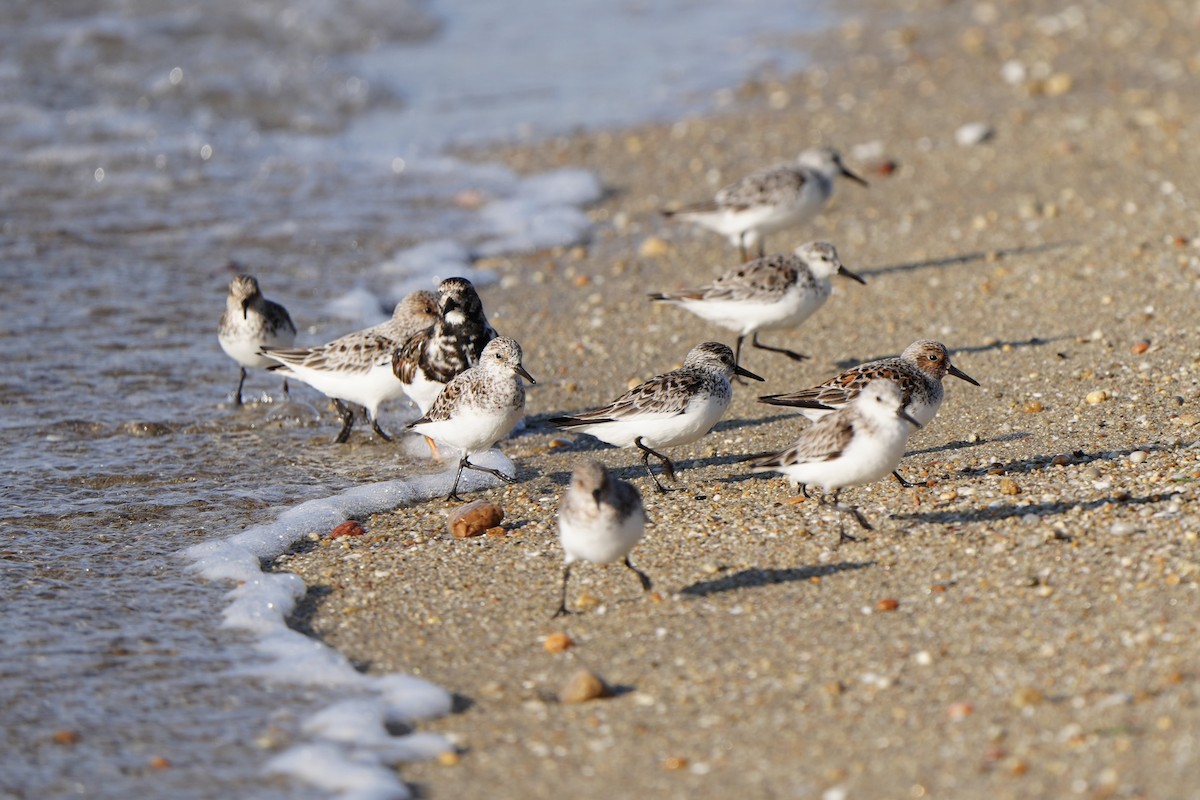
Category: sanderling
[479,407]
[250,323]
[671,409]
[918,371]
[600,519]
[777,292]
[357,368]
[426,361]
[770,200]
[859,443]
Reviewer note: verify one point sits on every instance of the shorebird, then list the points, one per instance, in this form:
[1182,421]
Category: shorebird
[357,368]
[918,371]
[776,292]
[770,200]
[600,519]
[427,360]
[671,409]
[479,407]
[859,443]
[251,322]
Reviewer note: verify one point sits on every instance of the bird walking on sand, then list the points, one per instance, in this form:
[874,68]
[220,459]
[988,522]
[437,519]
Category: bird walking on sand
[357,368]
[600,519]
[918,371]
[770,200]
[427,360]
[479,407]
[671,409]
[776,292]
[251,322]
[859,443]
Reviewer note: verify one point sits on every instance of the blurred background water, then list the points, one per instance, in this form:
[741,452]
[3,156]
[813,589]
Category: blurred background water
[147,144]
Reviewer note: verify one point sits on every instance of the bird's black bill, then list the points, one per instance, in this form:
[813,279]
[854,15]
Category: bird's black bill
[521,371]
[848,174]
[904,415]
[784,400]
[958,373]
[745,373]
[845,273]
[246,308]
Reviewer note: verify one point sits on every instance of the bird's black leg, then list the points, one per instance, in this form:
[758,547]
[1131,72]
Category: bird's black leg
[643,577]
[858,517]
[237,397]
[286,395]
[900,478]
[668,467]
[737,359]
[378,430]
[488,470]
[462,462]
[792,354]
[562,603]
[347,416]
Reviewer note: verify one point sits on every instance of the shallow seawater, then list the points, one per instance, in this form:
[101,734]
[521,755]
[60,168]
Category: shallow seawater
[146,147]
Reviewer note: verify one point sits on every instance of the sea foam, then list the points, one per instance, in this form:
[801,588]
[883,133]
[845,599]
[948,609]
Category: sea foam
[349,749]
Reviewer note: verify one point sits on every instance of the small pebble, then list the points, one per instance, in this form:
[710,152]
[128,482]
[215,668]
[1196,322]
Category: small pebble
[654,247]
[583,686]
[958,711]
[674,763]
[1026,697]
[1139,347]
[1009,486]
[350,527]
[1061,460]
[1138,457]
[474,519]
[887,604]
[557,643]
[973,133]
[1097,396]
[1058,84]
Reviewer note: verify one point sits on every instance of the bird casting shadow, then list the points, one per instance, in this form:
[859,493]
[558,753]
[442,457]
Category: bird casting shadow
[967,258]
[960,444]
[1014,344]
[755,577]
[1038,463]
[997,513]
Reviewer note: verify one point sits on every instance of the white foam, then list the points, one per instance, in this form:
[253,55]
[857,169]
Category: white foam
[350,750]
[545,211]
[360,304]
[524,214]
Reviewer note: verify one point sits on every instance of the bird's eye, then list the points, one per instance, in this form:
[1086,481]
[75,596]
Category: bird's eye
[933,357]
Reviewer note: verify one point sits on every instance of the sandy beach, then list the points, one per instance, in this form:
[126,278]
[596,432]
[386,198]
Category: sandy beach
[1025,624]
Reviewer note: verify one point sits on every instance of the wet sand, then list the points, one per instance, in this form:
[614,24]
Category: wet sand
[1025,624]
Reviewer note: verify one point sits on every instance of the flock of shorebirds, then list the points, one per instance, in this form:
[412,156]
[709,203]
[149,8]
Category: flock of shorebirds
[439,350]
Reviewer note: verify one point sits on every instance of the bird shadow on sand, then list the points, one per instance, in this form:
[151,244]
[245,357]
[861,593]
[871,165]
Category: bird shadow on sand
[1009,510]
[755,577]
[999,344]
[1041,462]
[960,444]
[967,258]
[583,445]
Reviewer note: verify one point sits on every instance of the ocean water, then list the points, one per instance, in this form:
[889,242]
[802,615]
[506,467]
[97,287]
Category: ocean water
[146,147]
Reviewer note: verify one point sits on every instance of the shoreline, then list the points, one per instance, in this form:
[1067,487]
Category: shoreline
[1042,638]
